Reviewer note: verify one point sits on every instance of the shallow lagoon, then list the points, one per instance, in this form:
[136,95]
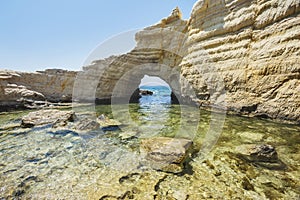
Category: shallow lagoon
[47,163]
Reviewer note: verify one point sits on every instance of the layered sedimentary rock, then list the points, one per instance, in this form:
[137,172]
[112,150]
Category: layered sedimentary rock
[241,56]
[249,51]
[237,55]
[52,85]
[157,53]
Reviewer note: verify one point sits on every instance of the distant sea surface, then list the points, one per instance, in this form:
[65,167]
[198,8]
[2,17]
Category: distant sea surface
[161,95]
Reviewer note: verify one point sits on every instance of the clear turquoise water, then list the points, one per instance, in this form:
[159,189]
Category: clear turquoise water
[47,163]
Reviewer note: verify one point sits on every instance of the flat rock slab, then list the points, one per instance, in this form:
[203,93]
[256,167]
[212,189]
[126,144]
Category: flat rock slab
[165,153]
[106,122]
[43,117]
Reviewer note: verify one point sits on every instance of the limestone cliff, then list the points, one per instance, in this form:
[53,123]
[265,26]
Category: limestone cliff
[254,47]
[17,88]
[157,53]
[238,55]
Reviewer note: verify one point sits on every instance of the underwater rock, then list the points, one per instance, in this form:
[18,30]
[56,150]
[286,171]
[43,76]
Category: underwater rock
[107,123]
[87,124]
[263,155]
[250,137]
[163,153]
[258,153]
[146,92]
[43,117]
[128,135]
[63,133]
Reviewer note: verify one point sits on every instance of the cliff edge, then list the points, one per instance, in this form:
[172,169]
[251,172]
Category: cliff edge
[254,47]
[239,55]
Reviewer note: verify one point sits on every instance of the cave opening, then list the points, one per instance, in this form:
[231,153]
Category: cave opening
[153,90]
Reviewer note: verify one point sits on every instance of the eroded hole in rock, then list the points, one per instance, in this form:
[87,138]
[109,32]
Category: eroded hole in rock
[153,90]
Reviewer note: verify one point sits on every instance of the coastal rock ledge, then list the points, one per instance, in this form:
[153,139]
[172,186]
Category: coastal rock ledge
[242,56]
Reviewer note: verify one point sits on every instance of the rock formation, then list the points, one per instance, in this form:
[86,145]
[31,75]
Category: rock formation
[253,47]
[43,117]
[164,153]
[237,55]
[19,88]
[241,56]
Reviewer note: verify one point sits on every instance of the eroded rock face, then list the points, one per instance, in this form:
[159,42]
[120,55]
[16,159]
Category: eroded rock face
[246,52]
[52,85]
[44,117]
[242,56]
[157,53]
[164,153]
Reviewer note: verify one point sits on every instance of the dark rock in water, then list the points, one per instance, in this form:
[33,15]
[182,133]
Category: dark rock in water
[258,153]
[174,99]
[63,133]
[135,97]
[261,155]
[146,92]
[167,154]
[87,124]
[110,128]
[265,153]
[43,117]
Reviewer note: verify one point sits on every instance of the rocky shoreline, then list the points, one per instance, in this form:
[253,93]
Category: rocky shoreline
[64,149]
[244,61]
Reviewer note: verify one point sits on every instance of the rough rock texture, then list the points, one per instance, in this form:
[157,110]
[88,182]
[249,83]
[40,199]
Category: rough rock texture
[53,85]
[242,56]
[259,153]
[157,53]
[165,153]
[87,124]
[238,55]
[248,50]
[43,117]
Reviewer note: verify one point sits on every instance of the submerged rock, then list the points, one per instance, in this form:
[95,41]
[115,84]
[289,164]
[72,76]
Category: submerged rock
[258,153]
[108,124]
[63,133]
[164,153]
[87,124]
[43,117]
[261,155]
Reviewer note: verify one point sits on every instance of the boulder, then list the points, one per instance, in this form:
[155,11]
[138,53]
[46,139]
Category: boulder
[108,124]
[163,153]
[146,92]
[262,155]
[43,117]
[258,153]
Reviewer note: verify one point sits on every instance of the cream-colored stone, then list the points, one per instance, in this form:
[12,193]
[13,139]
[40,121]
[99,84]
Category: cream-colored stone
[240,55]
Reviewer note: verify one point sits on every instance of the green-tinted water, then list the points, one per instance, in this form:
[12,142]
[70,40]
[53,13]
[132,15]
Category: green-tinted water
[48,163]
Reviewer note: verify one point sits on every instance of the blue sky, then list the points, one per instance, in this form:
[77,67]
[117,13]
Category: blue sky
[37,34]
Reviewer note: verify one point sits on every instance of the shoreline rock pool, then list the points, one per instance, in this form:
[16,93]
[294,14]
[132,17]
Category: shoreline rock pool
[59,162]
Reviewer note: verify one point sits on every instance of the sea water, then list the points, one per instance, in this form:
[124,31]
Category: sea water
[47,163]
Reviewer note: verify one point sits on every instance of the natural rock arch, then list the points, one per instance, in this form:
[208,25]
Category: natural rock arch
[158,53]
